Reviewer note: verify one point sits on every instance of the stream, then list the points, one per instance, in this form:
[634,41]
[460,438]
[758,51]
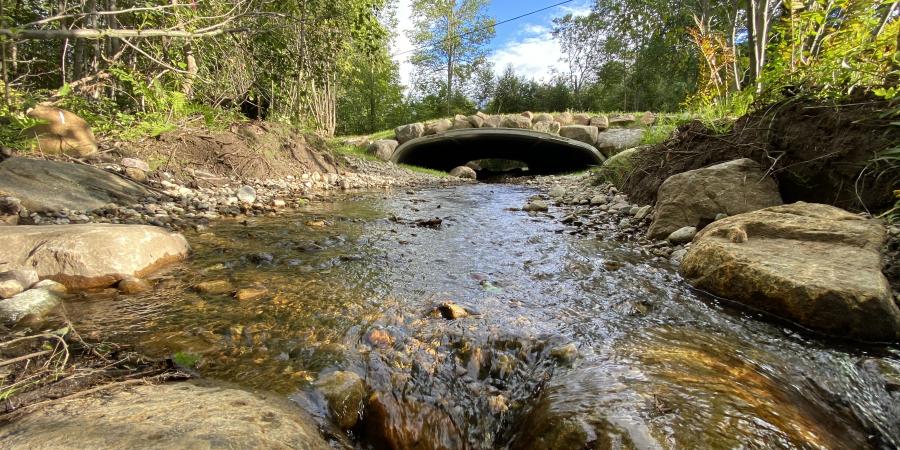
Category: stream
[573,338]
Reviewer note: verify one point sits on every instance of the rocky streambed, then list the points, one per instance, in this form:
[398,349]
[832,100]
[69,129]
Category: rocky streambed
[529,315]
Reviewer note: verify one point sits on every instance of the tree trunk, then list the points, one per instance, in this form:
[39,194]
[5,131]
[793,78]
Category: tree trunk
[187,85]
[3,58]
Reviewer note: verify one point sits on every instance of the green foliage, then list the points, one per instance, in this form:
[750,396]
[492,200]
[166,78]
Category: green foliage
[185,359]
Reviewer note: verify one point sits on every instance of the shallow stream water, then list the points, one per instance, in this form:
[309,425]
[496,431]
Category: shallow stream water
[575,338]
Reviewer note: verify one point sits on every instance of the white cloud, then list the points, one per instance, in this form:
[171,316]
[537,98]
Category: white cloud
[402,45]
[530,28]
[532,57]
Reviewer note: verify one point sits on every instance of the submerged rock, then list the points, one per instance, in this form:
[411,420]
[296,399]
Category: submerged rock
[90,255]
[814,264]
[187,415]
[345,393]
[133,285]
[452,311]
[536,206]
[214,287]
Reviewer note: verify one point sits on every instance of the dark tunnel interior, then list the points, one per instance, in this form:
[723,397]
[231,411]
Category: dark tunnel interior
[542,153]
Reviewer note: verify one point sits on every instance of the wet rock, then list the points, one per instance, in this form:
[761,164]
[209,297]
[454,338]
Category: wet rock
[383,149]
[566,354]
[582,133]
[215,287]
[677,256]
[184,415]
[25,277]
[463,172]
[642,212]
[132,285]
[409,132]
[380,338]
[251,293]
[246,194]
[345,394]
[35,303]
[695,197]
[682,235]
[90,255]
[598,199]
[452,311]
[814,264]
[536,206]
[9,288]
[408,424]
[51,286]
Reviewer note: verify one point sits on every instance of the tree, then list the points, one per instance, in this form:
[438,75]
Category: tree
[450,36]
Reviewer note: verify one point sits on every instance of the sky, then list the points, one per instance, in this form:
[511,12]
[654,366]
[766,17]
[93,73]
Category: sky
[526,43]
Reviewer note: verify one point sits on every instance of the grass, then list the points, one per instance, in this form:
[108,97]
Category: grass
[425,170]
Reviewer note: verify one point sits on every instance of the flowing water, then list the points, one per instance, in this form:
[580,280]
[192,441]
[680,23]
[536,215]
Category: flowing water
[575,338]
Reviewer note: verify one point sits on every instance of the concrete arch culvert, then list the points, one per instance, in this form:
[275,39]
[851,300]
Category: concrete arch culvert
[541,152]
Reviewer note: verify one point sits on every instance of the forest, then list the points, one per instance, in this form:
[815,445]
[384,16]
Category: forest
[138,68]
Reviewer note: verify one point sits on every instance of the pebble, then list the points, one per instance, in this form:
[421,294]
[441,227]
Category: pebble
[214,287]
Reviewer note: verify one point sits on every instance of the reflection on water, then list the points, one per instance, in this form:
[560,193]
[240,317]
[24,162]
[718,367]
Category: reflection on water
[575,339]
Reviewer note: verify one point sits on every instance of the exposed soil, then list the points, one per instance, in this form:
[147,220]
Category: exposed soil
[816,152]
[255,150]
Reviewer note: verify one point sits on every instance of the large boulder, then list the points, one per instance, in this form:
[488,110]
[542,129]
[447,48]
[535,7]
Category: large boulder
[583,133]
[460,122]
[345,394]
[565,118]
[63,133]
[621,120]
[601,122]
[187,415]
[383,149]
[515,121]
[614,140]
[581,119]
[51,186]
[618,166]
[694,198]
[438,126]
[542,117]
[463,172]
[90,255]
[546,127]
[493,121]
[814,264]
[409,132]
[476,121]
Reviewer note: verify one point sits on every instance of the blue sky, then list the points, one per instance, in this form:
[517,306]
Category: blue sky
[526,44]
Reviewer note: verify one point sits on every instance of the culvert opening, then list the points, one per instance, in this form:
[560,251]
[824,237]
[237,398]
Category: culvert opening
[541,153]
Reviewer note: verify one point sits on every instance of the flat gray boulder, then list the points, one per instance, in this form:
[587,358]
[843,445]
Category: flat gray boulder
[582,133]
[90,255]
[409,132]
[814,264]
[694,198]
[383,149]
[615,140]
[43,185]
[189,415]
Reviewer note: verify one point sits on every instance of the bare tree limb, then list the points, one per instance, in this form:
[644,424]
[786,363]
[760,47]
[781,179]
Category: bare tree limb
[116,33]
